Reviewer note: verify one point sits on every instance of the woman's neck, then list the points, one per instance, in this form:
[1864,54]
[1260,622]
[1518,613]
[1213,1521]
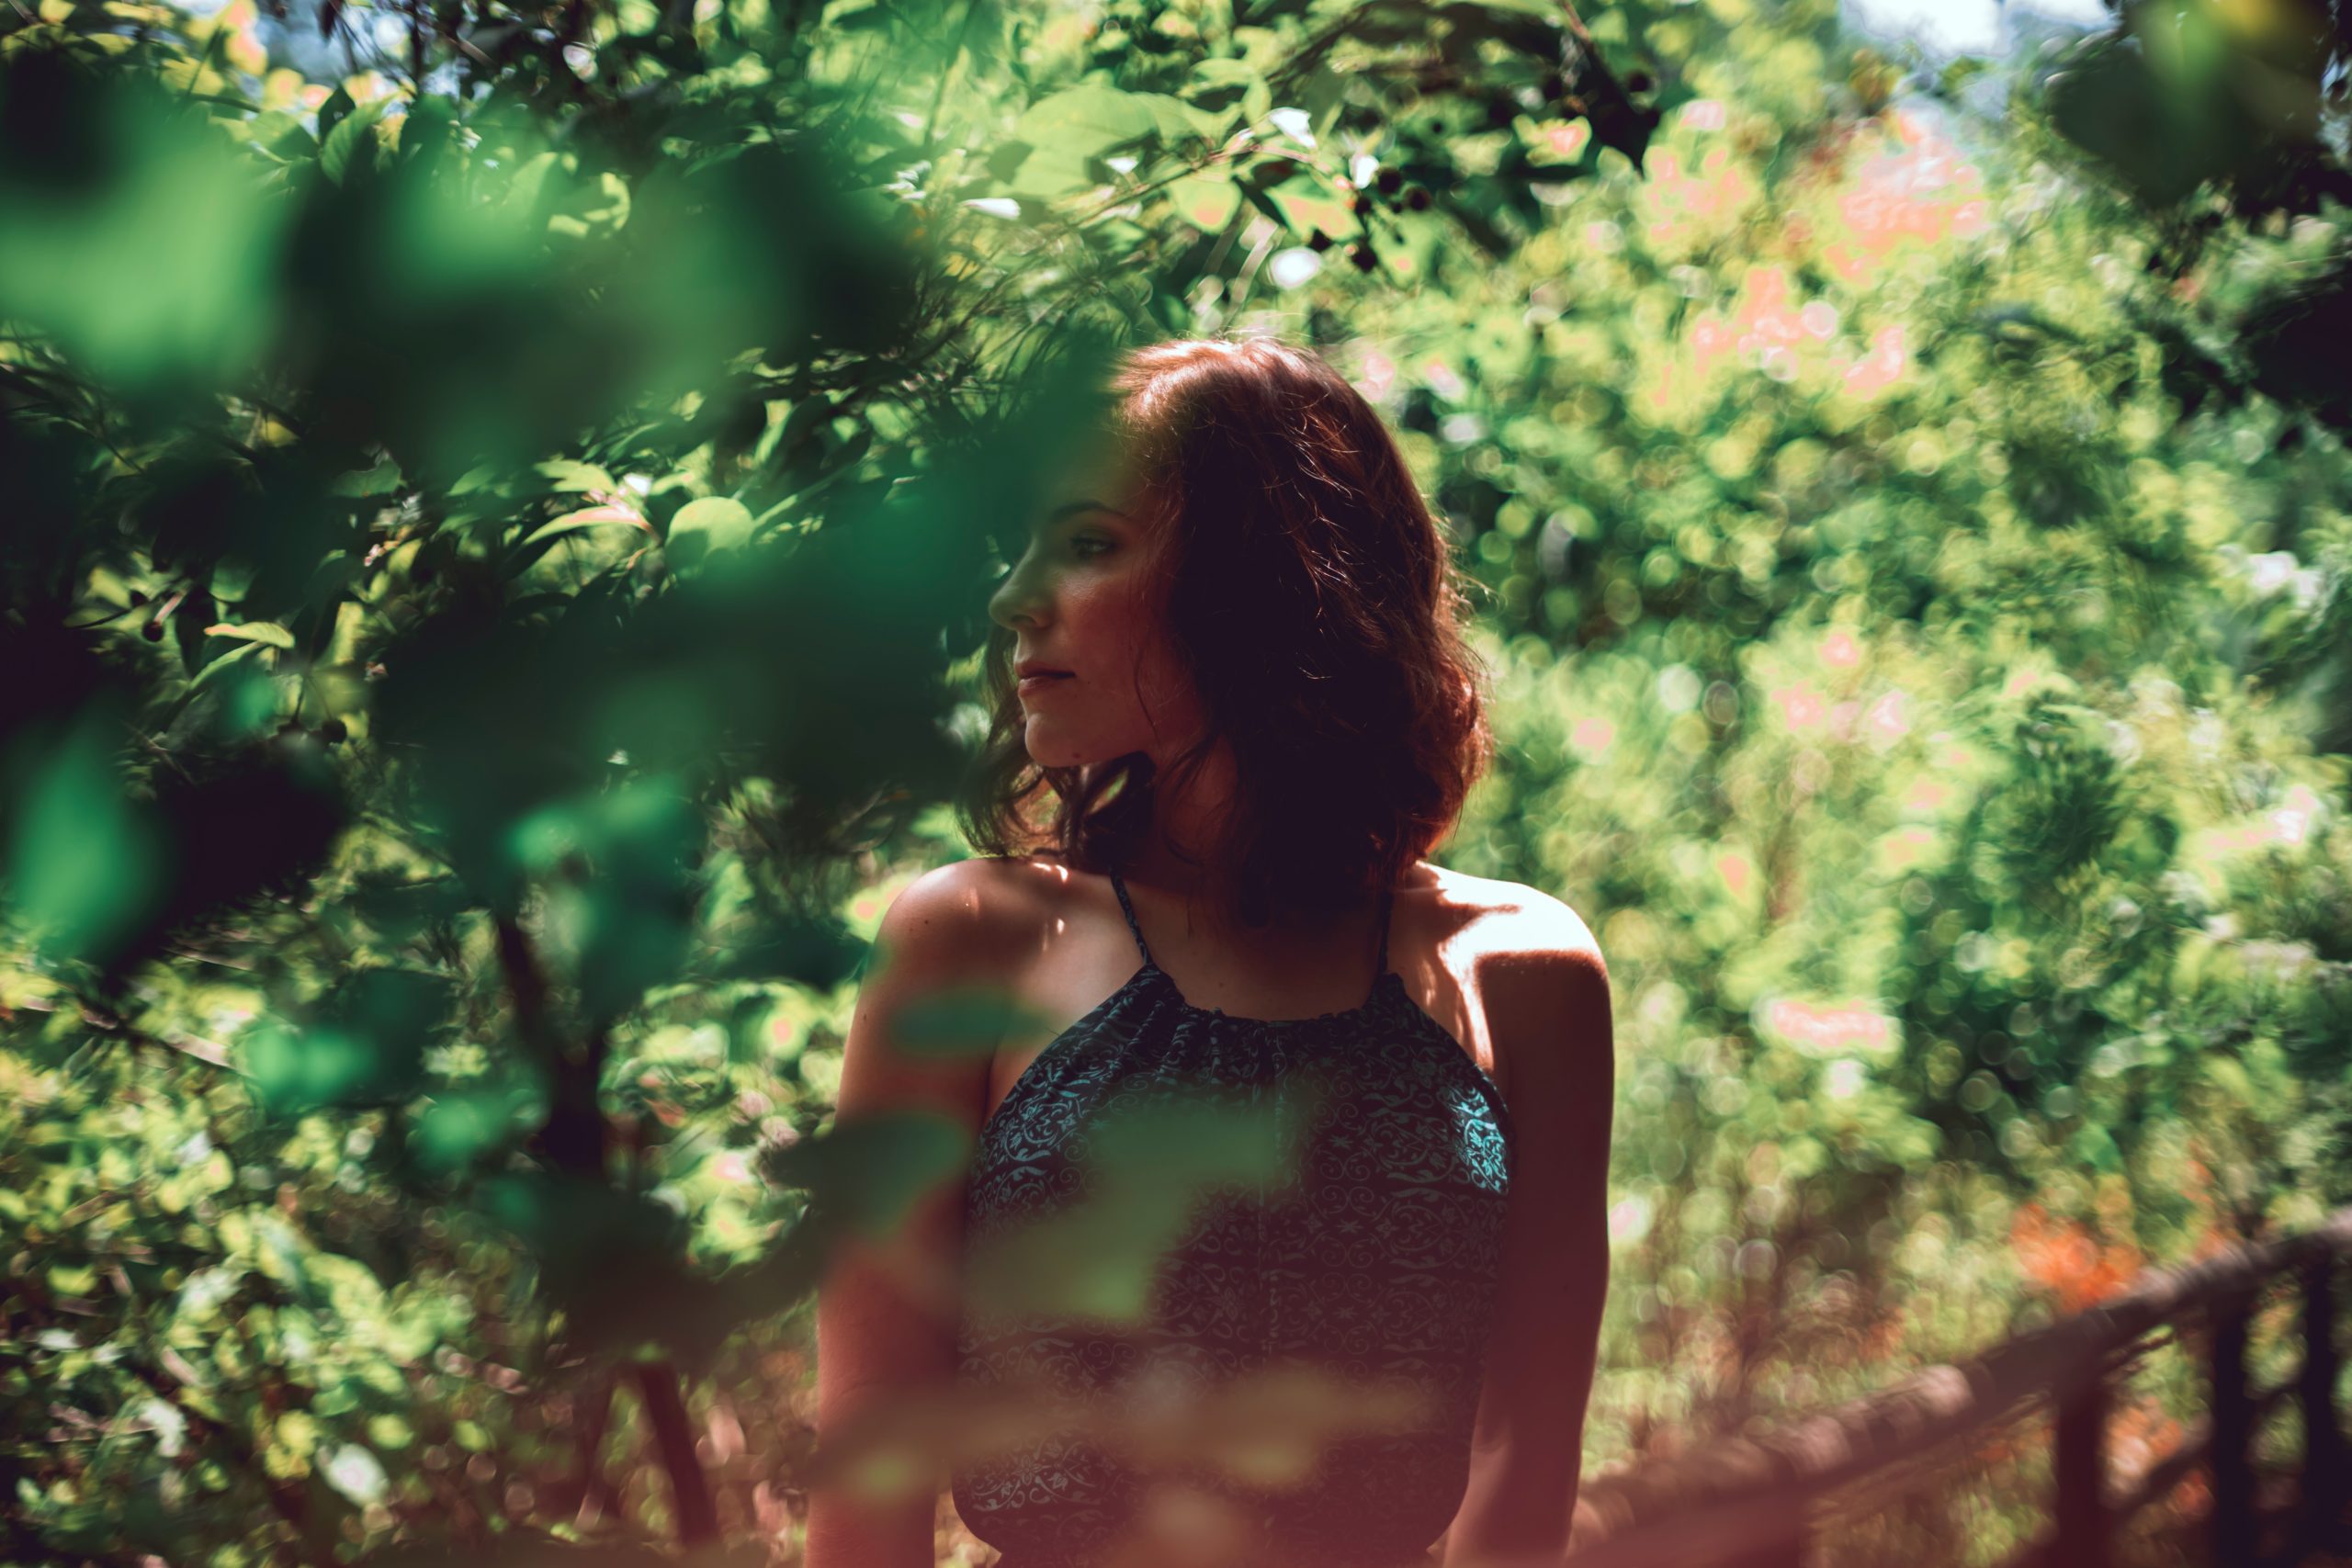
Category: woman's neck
[1191,812]
[1193,815]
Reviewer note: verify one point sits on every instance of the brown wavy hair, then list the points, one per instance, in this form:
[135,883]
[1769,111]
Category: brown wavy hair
[1314,600]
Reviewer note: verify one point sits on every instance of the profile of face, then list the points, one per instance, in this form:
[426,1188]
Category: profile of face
[1079,601]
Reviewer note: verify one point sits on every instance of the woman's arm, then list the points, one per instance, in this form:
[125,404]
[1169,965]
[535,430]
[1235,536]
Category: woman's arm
[886,1314]
[1548,1007]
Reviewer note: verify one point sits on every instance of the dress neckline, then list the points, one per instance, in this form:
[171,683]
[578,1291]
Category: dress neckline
[1379,983]
[1390,984]
[1381,973]
[1388,995]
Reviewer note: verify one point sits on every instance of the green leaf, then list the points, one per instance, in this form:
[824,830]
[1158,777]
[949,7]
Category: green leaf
[281,135]
[869,1174]
[566,475]
[82,867]
[588,517]
[1097,1256]
[343,143]
[1307,205]
[1226,88]
[1206,201]
[962,1022]
[715,522]
[809,952]
[462,1125]
[1068,128]
[213,670]
[269,632]
[381,480]
[362,1046]
[530,180]
[338,104]
[1222,73]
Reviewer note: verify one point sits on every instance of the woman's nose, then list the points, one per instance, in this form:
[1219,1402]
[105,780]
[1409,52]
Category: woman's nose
[1019,601]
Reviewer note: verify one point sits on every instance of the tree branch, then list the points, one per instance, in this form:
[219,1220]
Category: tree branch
[674,1440]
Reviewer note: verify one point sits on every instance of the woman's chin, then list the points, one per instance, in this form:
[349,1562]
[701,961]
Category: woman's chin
[1051,751]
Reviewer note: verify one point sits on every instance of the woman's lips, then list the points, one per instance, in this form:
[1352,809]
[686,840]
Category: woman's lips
[1031,684]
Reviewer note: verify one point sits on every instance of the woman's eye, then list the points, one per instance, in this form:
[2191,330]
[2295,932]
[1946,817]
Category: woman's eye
[1088,545]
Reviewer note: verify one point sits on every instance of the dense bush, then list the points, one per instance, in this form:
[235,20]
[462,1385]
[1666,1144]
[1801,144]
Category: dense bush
[498,529]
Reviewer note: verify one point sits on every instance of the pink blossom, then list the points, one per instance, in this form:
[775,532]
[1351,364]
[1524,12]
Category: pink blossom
[1800,705]
[1890,719]
[1737,871]
[1829,1030]
[1882,367]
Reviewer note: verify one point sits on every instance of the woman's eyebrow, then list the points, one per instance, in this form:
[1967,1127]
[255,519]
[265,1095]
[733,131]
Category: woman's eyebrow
[1073,508]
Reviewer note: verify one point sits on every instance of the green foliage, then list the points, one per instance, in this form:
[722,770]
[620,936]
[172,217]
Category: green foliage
[494,534]
[489,615]
[1919,646]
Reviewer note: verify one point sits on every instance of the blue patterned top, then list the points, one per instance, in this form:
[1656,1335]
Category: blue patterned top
[1324,1233]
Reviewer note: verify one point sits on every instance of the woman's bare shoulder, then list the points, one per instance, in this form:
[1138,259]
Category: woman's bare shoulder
[976,912]
[1509,918]
[1543,987]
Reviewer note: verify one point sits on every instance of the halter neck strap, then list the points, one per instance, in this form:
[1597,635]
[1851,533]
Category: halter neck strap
[1127,907]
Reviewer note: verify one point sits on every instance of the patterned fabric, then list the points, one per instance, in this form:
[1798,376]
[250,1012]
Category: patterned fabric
[1367,1249]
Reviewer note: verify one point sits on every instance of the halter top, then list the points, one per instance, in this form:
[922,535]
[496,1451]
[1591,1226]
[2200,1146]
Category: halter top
[1175,1213]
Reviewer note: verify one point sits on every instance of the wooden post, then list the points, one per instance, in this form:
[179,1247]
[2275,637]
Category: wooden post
[2325,1480]
[2234,1545]
[2080,1460]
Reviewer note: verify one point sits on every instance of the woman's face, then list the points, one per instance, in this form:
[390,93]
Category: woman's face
[1078,600]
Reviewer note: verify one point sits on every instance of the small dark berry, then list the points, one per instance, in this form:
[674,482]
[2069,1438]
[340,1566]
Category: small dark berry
[137,597]
[1318,241]
[1639,81]
[152,631]
[334,732]
[1418,199]
[1363,203]
[1363,258]
[1554,85]
[1501,113]
[1391,182]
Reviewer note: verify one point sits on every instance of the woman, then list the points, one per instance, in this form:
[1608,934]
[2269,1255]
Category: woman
[1229,654]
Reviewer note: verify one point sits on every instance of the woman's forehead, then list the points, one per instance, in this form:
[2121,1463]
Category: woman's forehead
[1102,473]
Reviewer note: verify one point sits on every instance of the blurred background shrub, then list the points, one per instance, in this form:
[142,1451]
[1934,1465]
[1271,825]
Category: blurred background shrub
[500,504]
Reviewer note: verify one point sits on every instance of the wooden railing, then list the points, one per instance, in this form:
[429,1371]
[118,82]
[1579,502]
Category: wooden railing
[1754,1502]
